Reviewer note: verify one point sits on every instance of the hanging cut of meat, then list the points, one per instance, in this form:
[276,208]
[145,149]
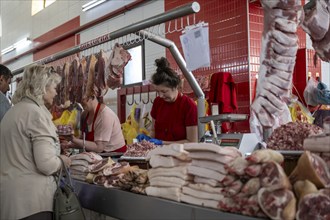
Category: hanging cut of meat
[114,81]
[317,25]
[57,99]
[80,79]
[73,79]
[119,58]
[277,59]
[90,91]
[100,74]
[65,79]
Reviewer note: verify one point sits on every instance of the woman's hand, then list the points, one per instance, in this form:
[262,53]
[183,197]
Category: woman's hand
[66,144]
[66,160]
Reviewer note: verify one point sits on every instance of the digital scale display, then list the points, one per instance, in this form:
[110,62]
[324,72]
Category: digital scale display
[226,142]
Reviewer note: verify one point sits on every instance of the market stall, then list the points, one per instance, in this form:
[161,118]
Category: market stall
[126,205]
[225,176]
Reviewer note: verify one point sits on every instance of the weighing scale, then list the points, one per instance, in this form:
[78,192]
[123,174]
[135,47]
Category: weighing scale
[245,142]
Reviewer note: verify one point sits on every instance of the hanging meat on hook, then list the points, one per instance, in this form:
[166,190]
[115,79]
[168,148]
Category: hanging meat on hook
[317,25]
[91,75]
[66,85]
[119,58]
[81,85]
[57,99]
[100,82]
[73,79]
[277,59]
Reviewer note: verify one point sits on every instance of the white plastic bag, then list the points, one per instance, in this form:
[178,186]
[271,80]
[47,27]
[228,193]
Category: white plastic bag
[310,92]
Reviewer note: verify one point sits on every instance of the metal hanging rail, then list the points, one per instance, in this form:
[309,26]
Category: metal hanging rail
[137,28]
[184,10]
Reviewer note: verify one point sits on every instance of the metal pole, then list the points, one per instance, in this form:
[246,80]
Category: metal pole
[188,75]
[184,10]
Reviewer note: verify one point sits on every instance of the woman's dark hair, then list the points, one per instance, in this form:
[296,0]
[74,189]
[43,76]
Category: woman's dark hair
[165,75]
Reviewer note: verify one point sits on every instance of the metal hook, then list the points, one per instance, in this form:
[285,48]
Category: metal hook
[131,103]
[138,39]
[188,21]
[169,28]
[137,103]
[148,99]
[182,25]
[131,39]
[152,100]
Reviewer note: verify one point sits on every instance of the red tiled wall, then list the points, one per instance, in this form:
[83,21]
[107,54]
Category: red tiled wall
[60,46]
[228,43]
[256,18]
[311,67]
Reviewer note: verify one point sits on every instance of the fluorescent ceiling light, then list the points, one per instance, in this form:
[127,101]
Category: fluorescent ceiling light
[7,50]
[22,43]
[92,4]
[18,45]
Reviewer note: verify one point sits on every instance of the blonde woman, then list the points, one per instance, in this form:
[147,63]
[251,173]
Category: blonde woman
[30,149]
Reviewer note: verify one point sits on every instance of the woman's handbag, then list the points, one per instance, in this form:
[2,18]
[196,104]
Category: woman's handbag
[66,203]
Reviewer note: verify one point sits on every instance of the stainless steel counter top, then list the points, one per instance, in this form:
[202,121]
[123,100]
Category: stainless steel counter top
[126,205]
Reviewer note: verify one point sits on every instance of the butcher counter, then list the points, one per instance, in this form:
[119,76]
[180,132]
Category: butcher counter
[126,205]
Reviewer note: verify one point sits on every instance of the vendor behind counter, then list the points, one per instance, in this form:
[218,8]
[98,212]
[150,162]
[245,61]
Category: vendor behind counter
[100,128]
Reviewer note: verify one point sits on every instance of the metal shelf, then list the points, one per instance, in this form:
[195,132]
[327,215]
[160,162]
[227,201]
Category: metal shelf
[126,205]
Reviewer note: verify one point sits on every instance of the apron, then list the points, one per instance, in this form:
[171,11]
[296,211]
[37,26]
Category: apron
[90,134]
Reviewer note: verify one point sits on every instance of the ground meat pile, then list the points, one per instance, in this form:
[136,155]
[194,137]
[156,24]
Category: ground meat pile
[140,149]
[291,136]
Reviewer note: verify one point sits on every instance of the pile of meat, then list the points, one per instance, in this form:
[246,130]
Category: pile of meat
[277,59]
[317,25]
[83,163]
[107,172]
[291,136]
[210,176]
[134,180]
[219,177]
[139,149]
[91,75]
[169,171]
[311,180]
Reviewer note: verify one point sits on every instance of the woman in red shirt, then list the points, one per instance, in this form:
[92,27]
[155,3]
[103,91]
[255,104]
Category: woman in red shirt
[174,114]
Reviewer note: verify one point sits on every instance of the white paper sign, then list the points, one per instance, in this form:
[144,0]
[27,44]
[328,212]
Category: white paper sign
[196,47]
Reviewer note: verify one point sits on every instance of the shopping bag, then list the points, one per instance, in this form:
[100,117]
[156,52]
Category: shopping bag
[66,204]
[130,127]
